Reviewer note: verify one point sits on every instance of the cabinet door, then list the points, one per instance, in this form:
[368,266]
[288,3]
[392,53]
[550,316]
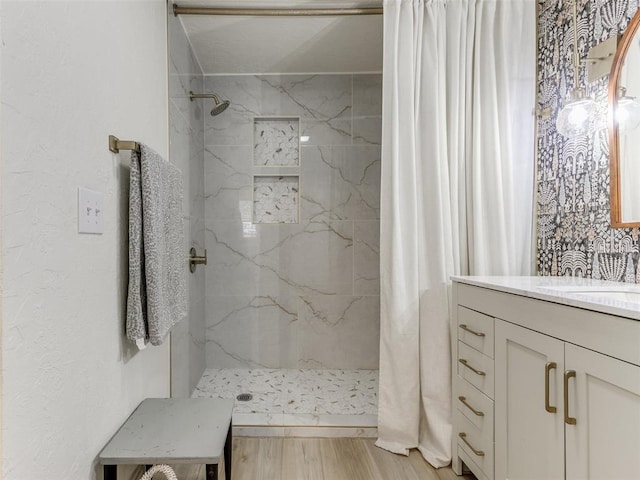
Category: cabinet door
[529,439]
[604,399]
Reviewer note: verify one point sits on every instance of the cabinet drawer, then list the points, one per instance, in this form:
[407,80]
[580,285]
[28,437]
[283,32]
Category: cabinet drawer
[471,465]
[476,330]
[476,406]
[478,448]
[475,368]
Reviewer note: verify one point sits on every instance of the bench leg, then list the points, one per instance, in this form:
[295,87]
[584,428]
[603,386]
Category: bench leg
[228,446]
[110,472]
[212,472]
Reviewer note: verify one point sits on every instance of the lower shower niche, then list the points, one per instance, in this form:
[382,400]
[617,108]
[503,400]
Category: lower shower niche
[276,198]
[305,401]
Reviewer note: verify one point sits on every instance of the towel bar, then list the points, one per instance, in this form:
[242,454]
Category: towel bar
[195,259]
[115,145]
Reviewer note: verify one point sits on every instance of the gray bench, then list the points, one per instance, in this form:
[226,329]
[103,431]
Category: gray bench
[173,431]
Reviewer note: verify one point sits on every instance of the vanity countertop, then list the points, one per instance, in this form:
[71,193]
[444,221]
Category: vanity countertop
[613,298]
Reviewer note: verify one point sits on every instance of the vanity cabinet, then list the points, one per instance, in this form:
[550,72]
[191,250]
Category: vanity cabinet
[577,409]
[473,392]
[604,400]
[563,399]
[529,422]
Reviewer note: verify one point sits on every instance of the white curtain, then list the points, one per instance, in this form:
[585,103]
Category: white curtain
[457,177]
[500,158]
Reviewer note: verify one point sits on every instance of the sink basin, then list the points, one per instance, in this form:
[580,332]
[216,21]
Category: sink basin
[631,297]
[613,293]
[592,288]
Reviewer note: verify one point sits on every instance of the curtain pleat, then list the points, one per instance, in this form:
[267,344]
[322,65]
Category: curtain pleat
[457,172]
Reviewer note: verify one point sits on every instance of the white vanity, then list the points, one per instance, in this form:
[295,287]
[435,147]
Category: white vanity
[546,378]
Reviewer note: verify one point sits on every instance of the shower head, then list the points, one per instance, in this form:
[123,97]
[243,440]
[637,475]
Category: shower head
[220,105]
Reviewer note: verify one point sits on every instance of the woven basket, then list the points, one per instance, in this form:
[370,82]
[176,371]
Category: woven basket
[165,469]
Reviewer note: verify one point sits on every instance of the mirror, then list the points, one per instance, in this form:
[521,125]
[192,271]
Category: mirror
[624,129]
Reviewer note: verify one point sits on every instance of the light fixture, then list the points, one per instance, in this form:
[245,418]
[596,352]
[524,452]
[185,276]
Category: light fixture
[578,115]
[627,112]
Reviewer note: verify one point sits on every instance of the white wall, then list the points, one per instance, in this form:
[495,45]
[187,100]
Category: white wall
[72,73]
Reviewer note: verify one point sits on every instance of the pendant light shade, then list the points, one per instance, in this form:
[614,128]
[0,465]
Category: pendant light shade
[578,115]
[627,112]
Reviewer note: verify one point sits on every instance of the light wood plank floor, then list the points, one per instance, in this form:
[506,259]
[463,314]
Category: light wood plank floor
[320,459]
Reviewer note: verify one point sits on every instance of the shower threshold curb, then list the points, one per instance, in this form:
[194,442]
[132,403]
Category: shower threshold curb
[301,419]
[305,431]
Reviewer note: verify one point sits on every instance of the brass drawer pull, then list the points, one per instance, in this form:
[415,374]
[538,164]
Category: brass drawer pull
[477,372]
[464,402]
[472,332]
[567,375]
[547,368]
[463,436]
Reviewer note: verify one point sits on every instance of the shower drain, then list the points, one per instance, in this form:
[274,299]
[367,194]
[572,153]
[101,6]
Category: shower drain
[244,397]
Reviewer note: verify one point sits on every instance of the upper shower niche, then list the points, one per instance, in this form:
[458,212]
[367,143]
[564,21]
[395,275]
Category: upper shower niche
[276,141]
[285,44]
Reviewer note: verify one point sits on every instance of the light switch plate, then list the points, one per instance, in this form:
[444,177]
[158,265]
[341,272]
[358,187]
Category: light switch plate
[90,211]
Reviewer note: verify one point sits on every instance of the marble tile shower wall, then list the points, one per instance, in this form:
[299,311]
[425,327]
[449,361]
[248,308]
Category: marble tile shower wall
[304,294]
[186,150]
[574,232]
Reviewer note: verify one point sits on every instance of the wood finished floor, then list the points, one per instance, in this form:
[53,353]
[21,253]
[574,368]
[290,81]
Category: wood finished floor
[319,459]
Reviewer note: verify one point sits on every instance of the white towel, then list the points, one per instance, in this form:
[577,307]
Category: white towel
[157,297]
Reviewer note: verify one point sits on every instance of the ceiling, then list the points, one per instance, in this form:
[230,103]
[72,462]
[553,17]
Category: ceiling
[252,45]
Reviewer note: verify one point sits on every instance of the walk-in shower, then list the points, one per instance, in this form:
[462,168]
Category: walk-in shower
[284,191]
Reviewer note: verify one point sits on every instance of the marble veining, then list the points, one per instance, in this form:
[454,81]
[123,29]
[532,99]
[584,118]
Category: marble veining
[354,170]
[310,258]
[293,331]
[276,141]
[293,275]
[296,397]
[228,182]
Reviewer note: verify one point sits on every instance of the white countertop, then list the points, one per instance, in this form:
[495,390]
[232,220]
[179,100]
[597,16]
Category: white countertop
[570,291]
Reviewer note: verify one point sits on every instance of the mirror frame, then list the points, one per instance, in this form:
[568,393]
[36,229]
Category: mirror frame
[614,138]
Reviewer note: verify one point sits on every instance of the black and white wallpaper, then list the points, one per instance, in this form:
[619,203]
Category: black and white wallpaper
[574,231]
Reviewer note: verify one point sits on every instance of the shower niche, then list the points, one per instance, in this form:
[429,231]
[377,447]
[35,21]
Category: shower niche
[276,141]
[276,146]
[276,198]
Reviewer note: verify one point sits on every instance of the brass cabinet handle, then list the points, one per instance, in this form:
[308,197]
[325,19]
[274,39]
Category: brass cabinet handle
[477,372]
[472,332]
[463,436]
[567,375]
[464,402]
[547,368]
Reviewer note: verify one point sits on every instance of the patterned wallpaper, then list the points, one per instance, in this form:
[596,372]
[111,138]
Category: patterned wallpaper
[574,233]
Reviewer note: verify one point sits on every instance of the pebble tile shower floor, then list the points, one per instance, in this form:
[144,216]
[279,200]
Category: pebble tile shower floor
[296,398]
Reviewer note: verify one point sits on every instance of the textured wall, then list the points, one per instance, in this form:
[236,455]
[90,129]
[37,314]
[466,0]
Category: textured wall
[72,73]
[186,150]
[302,294]
[574,233]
